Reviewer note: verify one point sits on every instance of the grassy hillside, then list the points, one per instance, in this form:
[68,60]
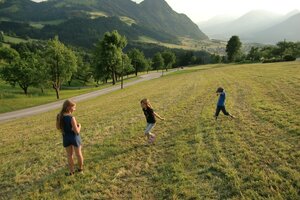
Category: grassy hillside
[14,40]
[253,157]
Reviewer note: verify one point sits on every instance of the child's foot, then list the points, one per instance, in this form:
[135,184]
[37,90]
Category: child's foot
[80,171]
[152,138]
[69,174]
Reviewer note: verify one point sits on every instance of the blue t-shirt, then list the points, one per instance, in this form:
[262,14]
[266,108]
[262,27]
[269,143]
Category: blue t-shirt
[221,101]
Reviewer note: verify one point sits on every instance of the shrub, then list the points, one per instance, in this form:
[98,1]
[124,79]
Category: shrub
[289,58]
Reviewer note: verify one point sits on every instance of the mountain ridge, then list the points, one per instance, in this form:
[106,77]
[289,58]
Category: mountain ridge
[289,30]
[251,26]
[151,18]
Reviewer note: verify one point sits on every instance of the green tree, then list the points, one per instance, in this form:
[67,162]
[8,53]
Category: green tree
[127,66]
[187,58]
[157,61]
[60,62]
[285,48]
[169,59]
[267,52]
[84,71]
[138,60]
[108,55]
[254,54]
[24,72]
[8,54]
[216,58]
[100,71]
[233,48]
[37,48]
[148,65]
[1,38]
[42,73]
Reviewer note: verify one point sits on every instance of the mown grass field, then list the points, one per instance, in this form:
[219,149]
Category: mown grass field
[256,156]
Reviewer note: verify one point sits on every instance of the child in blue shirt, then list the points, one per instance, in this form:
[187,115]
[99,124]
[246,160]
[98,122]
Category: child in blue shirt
[221,103]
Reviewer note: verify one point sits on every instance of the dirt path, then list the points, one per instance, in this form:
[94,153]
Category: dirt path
[51,106]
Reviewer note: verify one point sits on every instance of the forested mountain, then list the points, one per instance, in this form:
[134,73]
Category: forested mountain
[82,22]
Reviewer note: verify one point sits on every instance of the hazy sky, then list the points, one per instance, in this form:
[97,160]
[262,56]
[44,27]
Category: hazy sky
[201,10]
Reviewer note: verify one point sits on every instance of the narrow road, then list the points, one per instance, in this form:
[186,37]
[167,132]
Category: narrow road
[55,105]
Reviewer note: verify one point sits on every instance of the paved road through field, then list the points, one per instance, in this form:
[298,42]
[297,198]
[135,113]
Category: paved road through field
[52,106]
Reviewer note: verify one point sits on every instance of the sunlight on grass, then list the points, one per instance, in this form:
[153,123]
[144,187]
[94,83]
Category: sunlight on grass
[255,156]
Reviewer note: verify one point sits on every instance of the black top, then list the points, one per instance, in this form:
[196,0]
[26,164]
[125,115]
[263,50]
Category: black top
[149,113]
[67,130]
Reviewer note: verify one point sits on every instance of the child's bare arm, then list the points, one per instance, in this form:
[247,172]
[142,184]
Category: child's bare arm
[57,122]
[157,115]
[76,127]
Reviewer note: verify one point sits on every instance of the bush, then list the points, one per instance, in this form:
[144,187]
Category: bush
[272,60]
[289,58]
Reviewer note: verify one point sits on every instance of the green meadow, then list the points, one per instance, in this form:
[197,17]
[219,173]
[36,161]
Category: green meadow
[13,98]
[14,40]
[256,156]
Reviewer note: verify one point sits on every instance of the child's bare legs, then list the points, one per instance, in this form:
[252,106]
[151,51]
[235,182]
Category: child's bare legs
[70,151]
[79,157]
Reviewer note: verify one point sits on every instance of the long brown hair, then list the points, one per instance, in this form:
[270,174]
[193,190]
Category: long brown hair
[147,103]
[65,109]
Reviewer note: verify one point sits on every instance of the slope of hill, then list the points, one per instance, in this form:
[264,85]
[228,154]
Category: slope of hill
[216,21]
[170,21]
[257,26]
[255,156]
[250,22]
[253,21]
[287,30]
[154,19]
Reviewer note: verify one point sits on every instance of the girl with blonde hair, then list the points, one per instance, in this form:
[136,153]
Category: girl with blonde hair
[150,118]
[70,129]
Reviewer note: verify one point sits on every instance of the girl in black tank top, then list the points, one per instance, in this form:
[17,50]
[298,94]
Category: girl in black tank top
[71,135]
[150,118]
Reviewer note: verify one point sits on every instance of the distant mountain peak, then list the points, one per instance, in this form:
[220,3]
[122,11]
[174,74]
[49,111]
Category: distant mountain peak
[158,4]
[291,13]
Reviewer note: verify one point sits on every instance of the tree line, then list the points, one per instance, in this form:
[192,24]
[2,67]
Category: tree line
[282,51]
[50,63]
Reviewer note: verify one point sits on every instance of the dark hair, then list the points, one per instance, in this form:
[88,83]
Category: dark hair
[220,89]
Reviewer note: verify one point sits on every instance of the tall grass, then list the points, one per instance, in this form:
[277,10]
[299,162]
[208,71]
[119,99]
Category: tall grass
[255,156]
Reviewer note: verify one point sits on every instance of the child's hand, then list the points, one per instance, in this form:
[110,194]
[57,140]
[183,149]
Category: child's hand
[162,119]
